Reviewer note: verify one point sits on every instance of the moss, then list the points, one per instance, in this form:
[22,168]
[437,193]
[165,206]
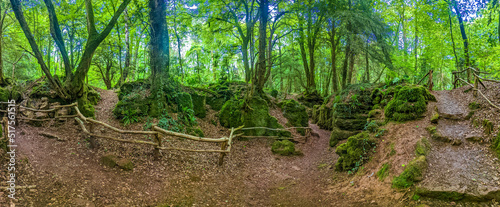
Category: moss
[371,126]
[274,93]
[474,105]
[257,115]
[423,147]
[354,152]
[109,160]
[338,134]
[435,117]
[442,195]
[488,126]
[283,147]
[431,129]
[184,102]
[85,106]
[374,113]
[393,151]
[496,143]
[216,102]
[295,113]
[415,197]
[350,124]
[199,132]
[412,173]
[310,98]
[199,102]
[230,115]
[383,172]
[125,164]
[380,133]
[409,103]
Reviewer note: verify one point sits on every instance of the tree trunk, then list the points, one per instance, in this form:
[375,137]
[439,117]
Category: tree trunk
[351,67]
[334,44]
[466,41]
[367,74]
[260,74]
[159,43]
[453,42]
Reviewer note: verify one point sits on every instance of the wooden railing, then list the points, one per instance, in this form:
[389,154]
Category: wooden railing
[430,84]
[157,143]
[477,80]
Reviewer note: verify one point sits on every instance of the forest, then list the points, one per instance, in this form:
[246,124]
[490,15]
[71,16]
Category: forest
[307,102]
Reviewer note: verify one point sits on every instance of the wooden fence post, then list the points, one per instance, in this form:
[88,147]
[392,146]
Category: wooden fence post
[430,83]
[475,85]
[156,151]
[92,140]
[223,146]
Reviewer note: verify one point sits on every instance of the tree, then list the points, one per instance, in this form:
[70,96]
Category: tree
[159,44]
[74,84]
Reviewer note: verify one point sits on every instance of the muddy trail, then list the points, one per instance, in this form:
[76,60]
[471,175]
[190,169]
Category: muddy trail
[463,166]
[69,173]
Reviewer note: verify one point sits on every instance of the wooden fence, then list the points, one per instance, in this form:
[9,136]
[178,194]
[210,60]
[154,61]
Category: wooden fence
[477,80]
[88,125]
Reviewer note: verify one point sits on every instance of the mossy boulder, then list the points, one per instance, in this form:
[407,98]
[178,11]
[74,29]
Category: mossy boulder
[338,134]
[199,102]
[310,99]
[10,93]
[184,102]
[354,152]
[409,103]
[295,113]
[257,115]
[283,147]
[112,161]
[133,101]
[496,143]
[231,115]
[350,124]
[216,102]
[413,172]
[423,147]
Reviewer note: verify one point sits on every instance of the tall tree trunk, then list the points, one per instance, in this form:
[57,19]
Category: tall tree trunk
[453,42]
[367,74]
[334,44]
[126,69]
[351,67]
[159,43]
[466,41]
[260,74]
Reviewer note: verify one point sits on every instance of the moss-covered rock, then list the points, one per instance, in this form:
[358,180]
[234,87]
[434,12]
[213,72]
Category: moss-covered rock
[423,147]
[231,115]
[85,106]
[257,115]
[199,102]
[310,98]
[295,113]
[354,152]
[409,103]
[274,93]
[338,134]
[413,173]
[184,102]
[435,117]
[216,102]
[441,195]
[350,124]
[284,147]
[496,143]
[111,161]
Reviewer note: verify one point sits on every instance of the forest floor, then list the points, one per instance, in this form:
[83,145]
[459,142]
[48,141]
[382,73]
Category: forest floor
[68,172]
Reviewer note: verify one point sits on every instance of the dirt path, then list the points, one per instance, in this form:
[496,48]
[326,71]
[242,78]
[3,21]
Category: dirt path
[470,170]
[69,173]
